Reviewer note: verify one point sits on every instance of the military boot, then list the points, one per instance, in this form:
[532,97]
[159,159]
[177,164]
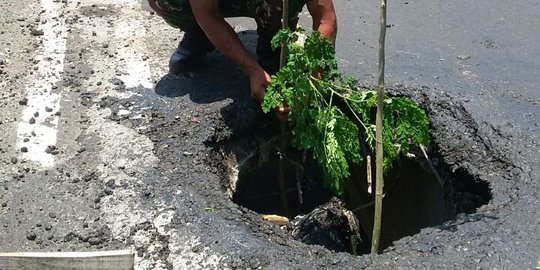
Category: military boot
[191,50]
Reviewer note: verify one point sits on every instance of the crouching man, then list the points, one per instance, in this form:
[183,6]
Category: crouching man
[203,22]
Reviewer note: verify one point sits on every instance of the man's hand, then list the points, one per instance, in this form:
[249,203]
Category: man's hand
[258,81]
[222,35]
[324,18]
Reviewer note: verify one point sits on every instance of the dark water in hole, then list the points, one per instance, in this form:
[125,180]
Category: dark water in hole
[414,198]
[258,188]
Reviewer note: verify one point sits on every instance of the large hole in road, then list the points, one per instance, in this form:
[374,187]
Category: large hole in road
[418,194]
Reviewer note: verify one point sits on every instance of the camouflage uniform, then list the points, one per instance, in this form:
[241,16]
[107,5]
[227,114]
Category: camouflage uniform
[267,14]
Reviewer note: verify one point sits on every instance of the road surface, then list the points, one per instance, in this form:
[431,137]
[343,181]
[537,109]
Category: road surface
[101,150]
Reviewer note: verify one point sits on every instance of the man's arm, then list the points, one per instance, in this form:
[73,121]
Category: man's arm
[227,42]
[324,18]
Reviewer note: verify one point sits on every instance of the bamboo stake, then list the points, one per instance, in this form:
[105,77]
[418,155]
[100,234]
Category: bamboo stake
[281,168]
[369,181]
[378,134]
[431,166]
[283,124]
[299,176]
[285,25]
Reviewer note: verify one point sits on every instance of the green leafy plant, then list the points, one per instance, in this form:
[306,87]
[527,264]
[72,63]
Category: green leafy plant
[330,116]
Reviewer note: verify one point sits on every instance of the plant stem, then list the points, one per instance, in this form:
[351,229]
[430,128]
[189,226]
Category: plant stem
[281,169]
[283,124]
[346,99]
[321,96]
[299,176]
[355,115]
[378,135]
[369,173]
[284,25]
[431,166]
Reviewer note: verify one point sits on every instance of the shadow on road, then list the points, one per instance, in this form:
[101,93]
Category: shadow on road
[216,78]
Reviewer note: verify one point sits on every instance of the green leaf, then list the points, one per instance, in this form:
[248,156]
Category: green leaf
[332,117]
[283,36]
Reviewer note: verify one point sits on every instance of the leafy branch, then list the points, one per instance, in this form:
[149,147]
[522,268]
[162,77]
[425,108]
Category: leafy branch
[330,116]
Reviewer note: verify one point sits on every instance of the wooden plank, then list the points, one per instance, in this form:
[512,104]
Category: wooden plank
[94,260]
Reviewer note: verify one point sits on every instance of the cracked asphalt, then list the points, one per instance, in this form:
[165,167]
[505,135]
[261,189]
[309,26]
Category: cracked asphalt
[101,150]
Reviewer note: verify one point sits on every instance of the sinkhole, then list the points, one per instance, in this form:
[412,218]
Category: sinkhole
[418,193]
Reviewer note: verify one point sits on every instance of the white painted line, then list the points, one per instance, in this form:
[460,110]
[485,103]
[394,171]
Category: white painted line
[43,100]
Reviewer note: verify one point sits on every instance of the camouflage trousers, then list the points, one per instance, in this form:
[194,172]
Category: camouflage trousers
[267,15]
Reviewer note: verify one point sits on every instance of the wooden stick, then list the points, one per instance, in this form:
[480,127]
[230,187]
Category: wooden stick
[283,124]
[299,177]
[431,166]
[378,135]
[118,259]
[281,168]
[285,25]
[369,174]
[299,188]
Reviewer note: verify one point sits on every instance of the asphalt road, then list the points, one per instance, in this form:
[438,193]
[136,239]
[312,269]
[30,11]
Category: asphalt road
[482,51]
[100,150]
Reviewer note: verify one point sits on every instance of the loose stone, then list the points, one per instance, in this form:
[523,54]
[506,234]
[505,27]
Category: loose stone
[31,235]
[94,241]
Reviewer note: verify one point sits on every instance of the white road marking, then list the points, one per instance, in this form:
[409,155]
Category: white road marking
[43,99]
[121,145]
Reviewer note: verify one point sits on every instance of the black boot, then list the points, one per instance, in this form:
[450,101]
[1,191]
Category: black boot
[191,50]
